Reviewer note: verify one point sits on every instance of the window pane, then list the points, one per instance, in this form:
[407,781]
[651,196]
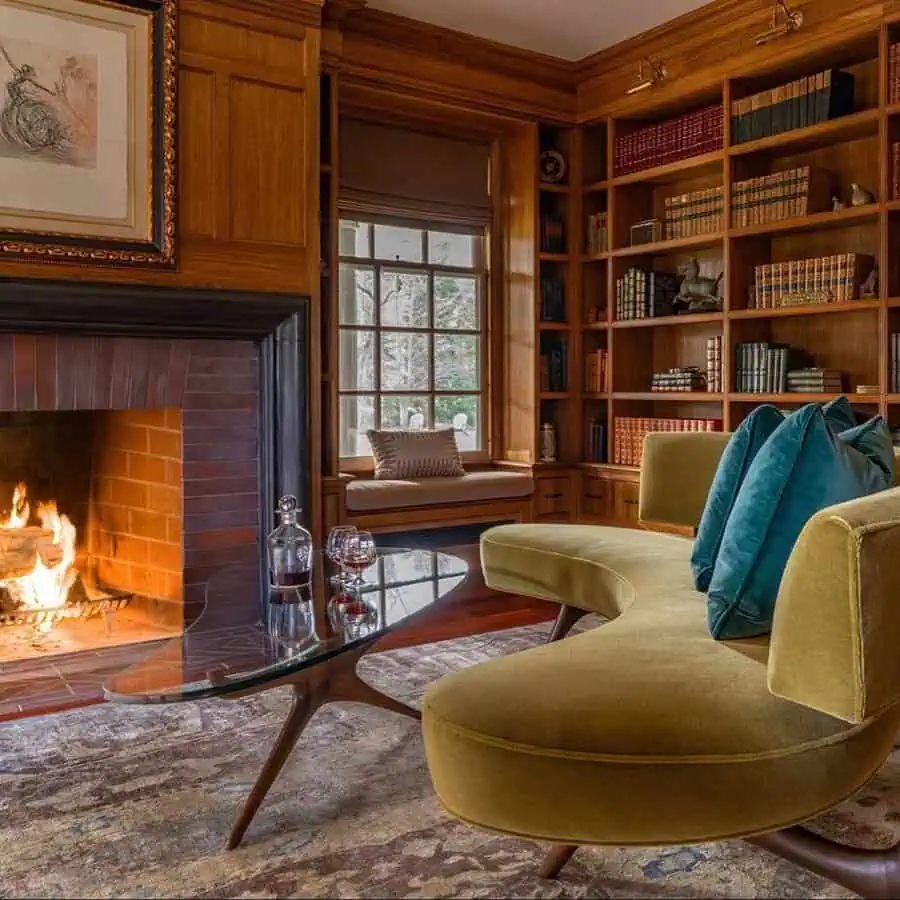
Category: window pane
[404,299]
[460,413]
[456,363]
[356,288]
[357,360]
[357,417]
[405,362]
[405,412]
[398,244]
[354,239]
[455,302]
[451,249]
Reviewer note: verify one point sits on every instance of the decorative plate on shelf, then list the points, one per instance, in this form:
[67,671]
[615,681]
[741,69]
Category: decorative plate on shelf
[553,167]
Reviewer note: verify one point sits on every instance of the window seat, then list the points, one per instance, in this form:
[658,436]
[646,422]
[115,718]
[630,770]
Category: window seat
[473,487]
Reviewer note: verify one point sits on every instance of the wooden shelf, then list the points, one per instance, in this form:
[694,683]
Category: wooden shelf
[846,128]
[670,396]
[851,216]
[554,326]
[672,171]
[554,188]
[893,302]
[554,395]
[892,205]
[608,467]
[801,398]
[893,109]
[695,242]
[893,398]
[595,326]
[595,187]
[587,395]
[808,309]
[554,257]
[665,321]
[597,257]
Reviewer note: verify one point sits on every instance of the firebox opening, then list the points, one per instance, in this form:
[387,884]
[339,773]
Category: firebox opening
[90,529]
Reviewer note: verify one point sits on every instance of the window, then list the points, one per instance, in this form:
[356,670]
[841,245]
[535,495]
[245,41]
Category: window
[411,317]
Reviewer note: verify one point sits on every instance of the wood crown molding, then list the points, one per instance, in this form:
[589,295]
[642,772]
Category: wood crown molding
[302,12]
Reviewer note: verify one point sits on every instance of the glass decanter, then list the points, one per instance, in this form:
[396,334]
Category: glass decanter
[289,549]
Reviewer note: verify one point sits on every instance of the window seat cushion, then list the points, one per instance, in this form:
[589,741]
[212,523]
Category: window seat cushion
[364,495]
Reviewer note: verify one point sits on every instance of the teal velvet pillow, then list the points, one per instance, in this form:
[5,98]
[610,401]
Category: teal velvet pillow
[873,440]
[740,452]
[803,467]
[839,414]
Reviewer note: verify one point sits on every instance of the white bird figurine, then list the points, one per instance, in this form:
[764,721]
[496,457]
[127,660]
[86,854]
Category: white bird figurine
[837,204]
[860,196]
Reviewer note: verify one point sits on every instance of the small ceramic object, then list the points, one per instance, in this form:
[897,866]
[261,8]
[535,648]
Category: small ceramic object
[837,204]
[552,167]
[860,196]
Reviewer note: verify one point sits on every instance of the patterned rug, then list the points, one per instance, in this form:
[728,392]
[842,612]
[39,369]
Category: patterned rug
[116,801]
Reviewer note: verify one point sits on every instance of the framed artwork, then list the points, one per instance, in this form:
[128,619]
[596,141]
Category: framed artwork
[87,131]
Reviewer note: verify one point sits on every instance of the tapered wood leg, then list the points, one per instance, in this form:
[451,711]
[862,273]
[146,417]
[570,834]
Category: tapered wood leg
[565,621]
[351,688]
[556,859]
[304,705]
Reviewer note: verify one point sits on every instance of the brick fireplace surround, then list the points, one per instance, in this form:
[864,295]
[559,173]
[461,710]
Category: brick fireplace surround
[197,405]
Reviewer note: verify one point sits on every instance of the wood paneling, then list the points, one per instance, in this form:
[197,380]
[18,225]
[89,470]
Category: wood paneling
[197,181]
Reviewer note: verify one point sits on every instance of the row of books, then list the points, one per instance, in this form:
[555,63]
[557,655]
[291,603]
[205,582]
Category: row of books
[597,234]
[823,279]
[895,362]
[714,364]
[698,212]
[761,367]
[596,366]
[895,170]
[595,440]
[806,101]
[681,379]
[553,299]
[645,295]
[554,355]
[782,195]
[686,135]
[814,380]
[894,73]
[553,233]
[629,433]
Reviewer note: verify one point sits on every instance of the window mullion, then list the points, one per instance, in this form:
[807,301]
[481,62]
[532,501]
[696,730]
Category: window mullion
[377,354]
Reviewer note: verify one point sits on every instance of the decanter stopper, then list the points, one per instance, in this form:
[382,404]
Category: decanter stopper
[289,549]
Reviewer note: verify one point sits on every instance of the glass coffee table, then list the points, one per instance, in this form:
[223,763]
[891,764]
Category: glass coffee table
[310,639]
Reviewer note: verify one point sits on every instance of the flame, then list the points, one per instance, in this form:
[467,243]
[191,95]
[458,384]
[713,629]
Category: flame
[44,587]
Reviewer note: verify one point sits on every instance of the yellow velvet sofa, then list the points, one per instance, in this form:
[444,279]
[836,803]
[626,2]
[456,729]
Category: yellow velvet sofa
[646,731]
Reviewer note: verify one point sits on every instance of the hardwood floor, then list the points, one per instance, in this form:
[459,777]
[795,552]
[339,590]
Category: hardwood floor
[58,683]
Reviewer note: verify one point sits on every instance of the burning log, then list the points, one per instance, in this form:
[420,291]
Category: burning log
[20,549]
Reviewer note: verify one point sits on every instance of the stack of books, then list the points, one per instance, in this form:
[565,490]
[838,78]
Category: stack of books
[895,170]
[814,381]
[553,300]
[895,363]
[894,73]
[554,357]
[644,295]
[685,378]
[806,101]
[553,233]
[825,279]
[698,212]
[783,195]
[595,440]
[761,367]
[629,433]
[714,364]
[595,368]
[665,142]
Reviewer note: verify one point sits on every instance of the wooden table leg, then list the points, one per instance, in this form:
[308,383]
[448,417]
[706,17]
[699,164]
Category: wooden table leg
[304,705]
[351,688]
[556,860]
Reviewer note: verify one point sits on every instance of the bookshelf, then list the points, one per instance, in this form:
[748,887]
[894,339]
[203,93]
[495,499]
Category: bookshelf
[853,337]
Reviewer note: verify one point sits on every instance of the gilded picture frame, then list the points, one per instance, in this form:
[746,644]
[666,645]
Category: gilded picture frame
[87,131]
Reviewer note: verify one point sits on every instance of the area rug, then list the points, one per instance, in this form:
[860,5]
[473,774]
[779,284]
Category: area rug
[116,801]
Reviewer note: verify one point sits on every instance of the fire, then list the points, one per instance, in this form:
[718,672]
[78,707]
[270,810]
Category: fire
[45,587]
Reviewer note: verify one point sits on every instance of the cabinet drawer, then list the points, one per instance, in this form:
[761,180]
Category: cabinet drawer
[553,497]
[625,501]
[595,502]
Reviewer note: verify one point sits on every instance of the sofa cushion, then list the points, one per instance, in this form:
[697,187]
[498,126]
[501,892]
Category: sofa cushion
[839,414]
[745,443]
[802,468]
[640,731]
[472,487]
[873,440]
[415,454]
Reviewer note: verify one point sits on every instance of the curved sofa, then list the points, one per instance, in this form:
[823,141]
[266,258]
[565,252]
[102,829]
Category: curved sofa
[647,731]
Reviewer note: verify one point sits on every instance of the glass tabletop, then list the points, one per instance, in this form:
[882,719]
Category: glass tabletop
[296,629]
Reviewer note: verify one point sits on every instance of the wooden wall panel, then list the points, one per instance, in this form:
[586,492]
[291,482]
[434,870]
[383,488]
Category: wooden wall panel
[197,179]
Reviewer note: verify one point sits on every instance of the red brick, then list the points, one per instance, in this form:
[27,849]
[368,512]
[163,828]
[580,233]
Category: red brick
[124,436]
[218,384]
[147,468]
[148,524]
[219,418]
[226,538]
[234,468]
[222,365]
[123,492]
[165,443]
[164,499]
[173,418]
[165,556]
[220,401]
[213,486]
[225,451]
[173,529]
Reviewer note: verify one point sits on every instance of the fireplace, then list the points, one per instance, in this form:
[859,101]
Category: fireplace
[145,435]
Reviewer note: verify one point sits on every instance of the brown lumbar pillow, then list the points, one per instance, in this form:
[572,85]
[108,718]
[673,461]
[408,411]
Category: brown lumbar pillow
[415,454]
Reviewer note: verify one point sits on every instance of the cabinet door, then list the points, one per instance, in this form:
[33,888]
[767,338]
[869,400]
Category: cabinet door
[595,498]
[553,498]
[625,503]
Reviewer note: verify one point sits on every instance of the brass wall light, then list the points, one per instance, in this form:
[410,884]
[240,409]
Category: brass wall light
[650,73]
[791,20]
